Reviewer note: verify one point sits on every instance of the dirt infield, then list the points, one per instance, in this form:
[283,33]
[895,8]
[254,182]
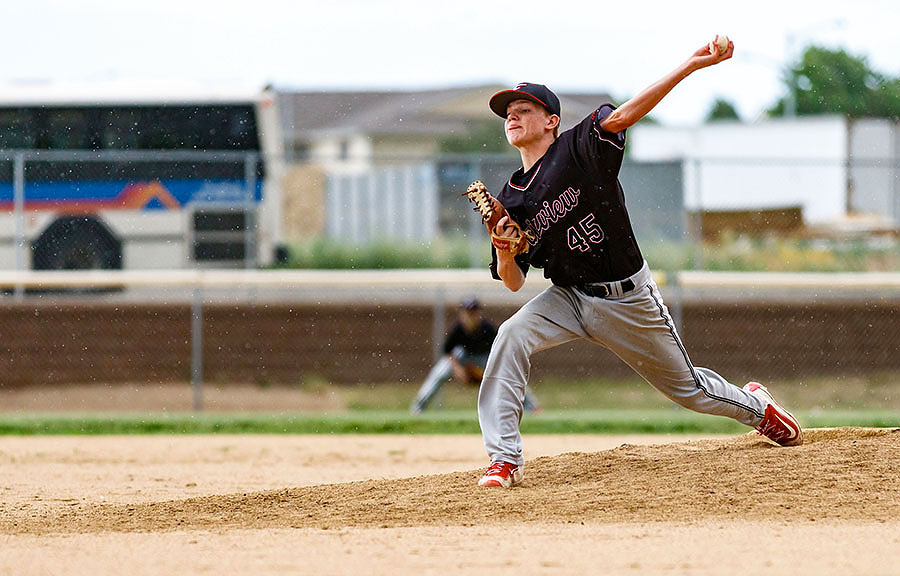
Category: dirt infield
[402,504]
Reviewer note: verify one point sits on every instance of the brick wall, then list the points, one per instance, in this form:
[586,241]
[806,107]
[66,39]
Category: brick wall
[73,342]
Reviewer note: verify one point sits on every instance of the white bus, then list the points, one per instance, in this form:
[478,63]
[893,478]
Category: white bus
[138,177]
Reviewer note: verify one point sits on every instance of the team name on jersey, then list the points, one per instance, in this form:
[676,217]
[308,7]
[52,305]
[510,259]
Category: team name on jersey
[551,212]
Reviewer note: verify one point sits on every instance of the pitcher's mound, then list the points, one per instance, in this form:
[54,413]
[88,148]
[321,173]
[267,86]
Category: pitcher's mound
[840,473]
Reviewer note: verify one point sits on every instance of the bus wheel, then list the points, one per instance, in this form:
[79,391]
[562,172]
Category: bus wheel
[77,243]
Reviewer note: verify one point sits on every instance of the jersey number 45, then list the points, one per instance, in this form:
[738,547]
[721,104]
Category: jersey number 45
[586,233]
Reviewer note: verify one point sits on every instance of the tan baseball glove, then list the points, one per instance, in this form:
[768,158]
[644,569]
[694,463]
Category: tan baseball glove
[508,236]
[474,374]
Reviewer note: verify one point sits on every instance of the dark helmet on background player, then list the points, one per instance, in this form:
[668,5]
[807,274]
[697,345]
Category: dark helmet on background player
[470,303]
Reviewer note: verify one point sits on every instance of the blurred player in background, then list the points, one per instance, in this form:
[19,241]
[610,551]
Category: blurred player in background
[466,351]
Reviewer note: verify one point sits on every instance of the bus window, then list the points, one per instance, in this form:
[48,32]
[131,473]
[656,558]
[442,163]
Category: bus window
[222,127]
[158,130]
[120,129]
[244,130]
[16,129]
[67,129]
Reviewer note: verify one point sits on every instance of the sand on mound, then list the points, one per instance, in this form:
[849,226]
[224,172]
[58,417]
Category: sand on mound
[837,474]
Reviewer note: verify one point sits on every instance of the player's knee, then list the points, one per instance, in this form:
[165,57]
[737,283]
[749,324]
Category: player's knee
[512,333]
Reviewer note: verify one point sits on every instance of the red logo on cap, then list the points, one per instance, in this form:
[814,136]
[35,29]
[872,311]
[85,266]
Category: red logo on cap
[522,85]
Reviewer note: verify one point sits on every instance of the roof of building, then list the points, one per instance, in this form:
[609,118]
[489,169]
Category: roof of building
[440,111]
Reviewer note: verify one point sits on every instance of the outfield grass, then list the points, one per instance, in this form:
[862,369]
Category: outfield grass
[819,393]
[573,407]
[610,421]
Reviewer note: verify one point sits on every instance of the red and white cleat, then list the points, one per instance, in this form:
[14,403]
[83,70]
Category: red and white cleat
[778,425]
[502,475]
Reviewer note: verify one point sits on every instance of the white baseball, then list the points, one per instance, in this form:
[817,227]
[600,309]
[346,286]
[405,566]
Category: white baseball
[719,44]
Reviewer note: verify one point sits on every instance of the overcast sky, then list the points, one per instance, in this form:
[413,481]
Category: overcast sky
[571,45]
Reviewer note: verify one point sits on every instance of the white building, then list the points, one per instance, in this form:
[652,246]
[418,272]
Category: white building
[840,173]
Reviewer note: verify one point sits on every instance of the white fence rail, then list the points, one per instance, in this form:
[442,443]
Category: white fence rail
[409,277]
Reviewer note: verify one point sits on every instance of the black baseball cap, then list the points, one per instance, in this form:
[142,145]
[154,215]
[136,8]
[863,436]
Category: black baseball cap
[525,91]
[470,303]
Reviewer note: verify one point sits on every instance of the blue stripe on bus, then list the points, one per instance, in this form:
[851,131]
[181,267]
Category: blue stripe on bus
[183,191]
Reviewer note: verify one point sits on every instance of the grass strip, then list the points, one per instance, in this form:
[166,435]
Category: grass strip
[667,421]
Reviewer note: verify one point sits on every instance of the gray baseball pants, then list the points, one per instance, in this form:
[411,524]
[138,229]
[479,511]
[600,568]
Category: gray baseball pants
[636,326]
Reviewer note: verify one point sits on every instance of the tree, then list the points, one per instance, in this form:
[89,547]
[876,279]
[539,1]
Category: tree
[722,110]
[834,82]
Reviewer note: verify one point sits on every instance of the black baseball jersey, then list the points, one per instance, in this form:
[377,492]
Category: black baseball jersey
[572,208]
[474,343]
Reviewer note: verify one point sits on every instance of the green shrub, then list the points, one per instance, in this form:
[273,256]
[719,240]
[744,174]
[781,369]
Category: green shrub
[730,254]
[742,254]
[322,253]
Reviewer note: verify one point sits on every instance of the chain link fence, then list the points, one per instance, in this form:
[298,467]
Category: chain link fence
[291,327]
[688,206]
[385,200]
[151,210]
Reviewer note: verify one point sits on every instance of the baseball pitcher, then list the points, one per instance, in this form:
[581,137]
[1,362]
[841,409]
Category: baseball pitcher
[564,211]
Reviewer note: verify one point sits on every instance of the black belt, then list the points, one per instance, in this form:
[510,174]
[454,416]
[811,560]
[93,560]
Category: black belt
[606,290]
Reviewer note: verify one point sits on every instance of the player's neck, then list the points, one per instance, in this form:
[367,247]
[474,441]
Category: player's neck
[532,152]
